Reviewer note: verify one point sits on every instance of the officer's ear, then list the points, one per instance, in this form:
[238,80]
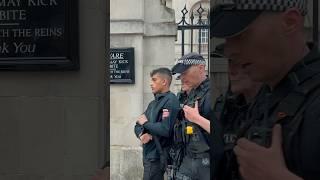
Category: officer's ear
[292,21]
[202,67]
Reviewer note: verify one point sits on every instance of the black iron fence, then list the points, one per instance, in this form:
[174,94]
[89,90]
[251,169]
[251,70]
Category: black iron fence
[198,26]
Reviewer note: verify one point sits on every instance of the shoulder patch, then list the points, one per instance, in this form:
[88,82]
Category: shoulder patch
[165,113]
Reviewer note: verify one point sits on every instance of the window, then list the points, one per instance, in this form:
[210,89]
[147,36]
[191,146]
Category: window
[204,33]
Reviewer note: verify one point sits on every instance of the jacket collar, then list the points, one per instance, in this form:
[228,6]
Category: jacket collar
[158,96]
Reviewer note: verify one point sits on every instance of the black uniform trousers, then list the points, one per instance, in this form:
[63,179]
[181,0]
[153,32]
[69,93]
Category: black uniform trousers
[194,168]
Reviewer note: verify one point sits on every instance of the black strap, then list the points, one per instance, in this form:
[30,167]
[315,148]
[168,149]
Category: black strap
[163,157]
[158,145]
[156,139]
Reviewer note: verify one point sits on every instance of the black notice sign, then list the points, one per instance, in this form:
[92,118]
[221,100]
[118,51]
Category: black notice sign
[38,34]
[122,66]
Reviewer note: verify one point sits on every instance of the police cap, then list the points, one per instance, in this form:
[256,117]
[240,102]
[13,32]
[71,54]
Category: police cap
[187,61]
[231,17]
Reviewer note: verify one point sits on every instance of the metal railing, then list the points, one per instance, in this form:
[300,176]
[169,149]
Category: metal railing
[201,27]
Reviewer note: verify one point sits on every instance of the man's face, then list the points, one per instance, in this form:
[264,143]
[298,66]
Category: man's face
[239,80]
[192,76]
[157,83]
[258,48]
[185,87]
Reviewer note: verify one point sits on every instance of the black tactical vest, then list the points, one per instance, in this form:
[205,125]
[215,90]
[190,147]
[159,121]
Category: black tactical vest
[286,105]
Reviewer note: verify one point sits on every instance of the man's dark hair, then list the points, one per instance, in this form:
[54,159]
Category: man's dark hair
[163,71]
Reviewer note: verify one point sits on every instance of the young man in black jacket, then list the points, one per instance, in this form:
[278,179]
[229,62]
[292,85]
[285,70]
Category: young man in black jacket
[156,123]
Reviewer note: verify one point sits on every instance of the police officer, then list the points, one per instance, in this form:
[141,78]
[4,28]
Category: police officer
[176,151]
[241,94]
[196,120]
[266,38]
[154,126]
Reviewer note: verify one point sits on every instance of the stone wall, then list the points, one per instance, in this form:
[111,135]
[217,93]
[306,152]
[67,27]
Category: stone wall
[53,123]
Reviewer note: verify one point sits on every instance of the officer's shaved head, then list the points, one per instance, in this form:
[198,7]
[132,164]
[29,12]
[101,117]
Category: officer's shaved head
[270,46]
[163,72]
